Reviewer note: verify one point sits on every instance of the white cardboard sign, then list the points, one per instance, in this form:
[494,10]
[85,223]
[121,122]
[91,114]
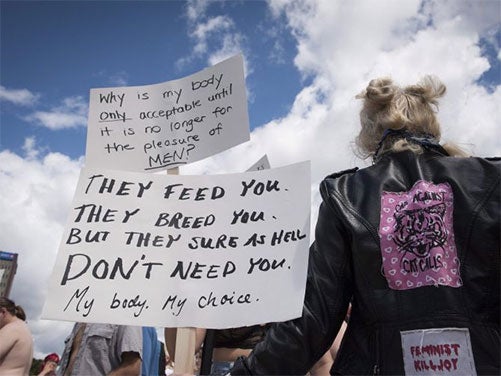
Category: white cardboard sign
[261,164]
[166,125]
[213,251]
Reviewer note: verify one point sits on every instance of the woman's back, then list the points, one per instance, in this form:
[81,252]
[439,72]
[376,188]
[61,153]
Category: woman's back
[17,360]
[424,236]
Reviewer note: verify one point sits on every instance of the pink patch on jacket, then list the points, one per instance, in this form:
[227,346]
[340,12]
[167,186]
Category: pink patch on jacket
[417,237]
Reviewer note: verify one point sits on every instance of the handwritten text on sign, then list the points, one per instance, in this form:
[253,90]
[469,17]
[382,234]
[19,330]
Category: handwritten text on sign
[261,164]
[443,351]
[161,126]
[165,250]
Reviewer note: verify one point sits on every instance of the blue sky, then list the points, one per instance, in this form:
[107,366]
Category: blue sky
[59,50]
[305,62]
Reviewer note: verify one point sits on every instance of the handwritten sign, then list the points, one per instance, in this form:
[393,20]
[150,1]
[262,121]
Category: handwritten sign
[261,164]
[162,126]
[184,251]
[444,351]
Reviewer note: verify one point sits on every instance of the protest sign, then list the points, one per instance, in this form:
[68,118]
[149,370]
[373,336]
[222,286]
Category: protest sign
[166,125]
[261,164]
[213,251]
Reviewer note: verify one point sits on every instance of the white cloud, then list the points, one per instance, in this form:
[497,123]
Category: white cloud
[476,16]
[230,46]
[29,147]
[35,196]
[341,46]
[119,78]
[22,97]
[196,9]
[202,32]
[71,113]
[215,37]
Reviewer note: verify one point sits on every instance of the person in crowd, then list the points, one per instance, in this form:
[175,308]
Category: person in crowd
[323,365]
[228,344]
[232,343]
[16,342]
[413,241]
[49,365]
[153,359]
[102,349]
[162,360]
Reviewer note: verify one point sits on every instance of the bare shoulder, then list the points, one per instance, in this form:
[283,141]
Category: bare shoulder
[17,328]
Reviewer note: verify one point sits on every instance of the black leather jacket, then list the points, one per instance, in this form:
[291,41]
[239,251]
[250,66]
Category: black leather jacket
[346,264]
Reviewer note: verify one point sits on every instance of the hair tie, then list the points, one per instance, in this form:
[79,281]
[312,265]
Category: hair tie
[426,140]
[387,132]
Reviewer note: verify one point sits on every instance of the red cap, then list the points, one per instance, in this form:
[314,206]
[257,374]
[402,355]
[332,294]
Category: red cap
[54,357]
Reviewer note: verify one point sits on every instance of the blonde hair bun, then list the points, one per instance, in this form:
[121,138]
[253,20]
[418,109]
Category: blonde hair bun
[387,106]
[381,91]
[430,88]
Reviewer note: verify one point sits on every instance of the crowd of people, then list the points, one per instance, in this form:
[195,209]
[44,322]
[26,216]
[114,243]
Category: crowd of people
[404,249]
[90,349]
[107,349]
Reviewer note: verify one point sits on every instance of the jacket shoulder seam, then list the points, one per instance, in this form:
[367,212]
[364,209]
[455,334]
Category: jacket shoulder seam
[336,175]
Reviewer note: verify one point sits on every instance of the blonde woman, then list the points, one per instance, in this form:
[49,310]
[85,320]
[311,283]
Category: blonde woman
[412,241]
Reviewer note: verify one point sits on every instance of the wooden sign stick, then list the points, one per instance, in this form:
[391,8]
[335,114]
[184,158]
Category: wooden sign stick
[185,351]
[185,337]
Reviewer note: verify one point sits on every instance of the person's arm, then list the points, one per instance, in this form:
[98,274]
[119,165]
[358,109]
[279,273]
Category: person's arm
[129,366]
[129,344]
[323,366]
[48,368]
[294,346]
[170,335]
[7,340]
[337,342]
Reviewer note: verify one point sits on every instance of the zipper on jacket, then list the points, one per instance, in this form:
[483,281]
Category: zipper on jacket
[375,369]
